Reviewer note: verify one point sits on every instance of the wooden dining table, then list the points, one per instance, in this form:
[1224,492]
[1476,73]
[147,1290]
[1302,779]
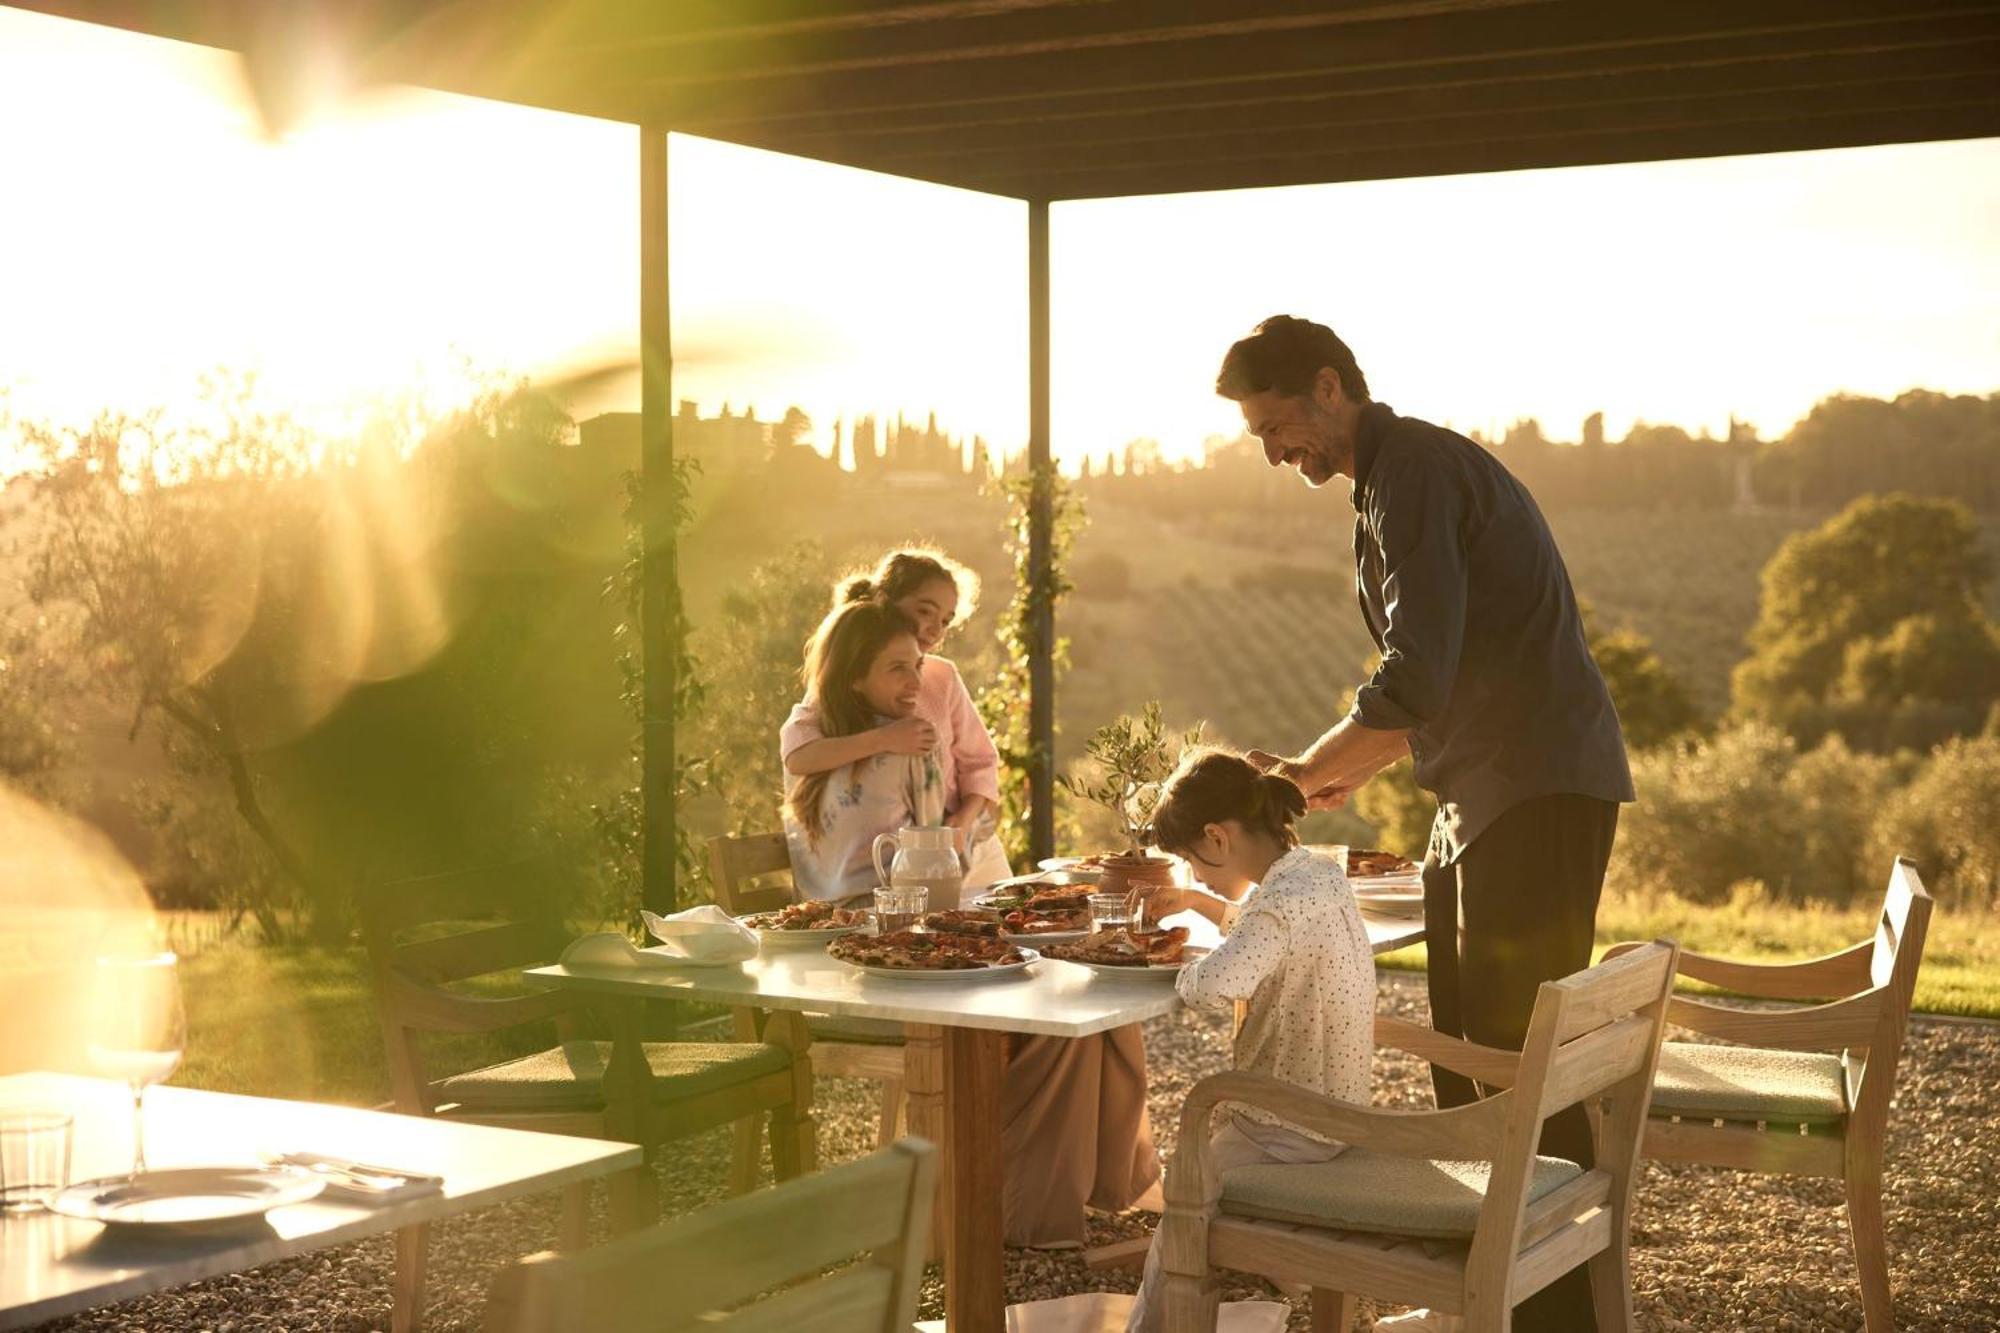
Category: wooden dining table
[956,1028]
[52,1265]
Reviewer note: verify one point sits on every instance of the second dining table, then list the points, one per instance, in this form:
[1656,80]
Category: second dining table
[954,1057]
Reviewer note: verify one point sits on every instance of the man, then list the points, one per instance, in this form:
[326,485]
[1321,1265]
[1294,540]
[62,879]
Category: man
[1485,681]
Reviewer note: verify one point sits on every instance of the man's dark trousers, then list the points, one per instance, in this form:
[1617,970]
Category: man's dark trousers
[1521,902]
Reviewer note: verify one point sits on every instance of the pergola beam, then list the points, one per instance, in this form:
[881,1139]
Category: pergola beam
[660,626]
[1041,539]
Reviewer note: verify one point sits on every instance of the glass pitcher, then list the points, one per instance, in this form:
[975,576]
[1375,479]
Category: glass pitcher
[926,858]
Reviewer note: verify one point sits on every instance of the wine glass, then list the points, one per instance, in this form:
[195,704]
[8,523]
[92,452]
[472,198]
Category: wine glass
[141,1029]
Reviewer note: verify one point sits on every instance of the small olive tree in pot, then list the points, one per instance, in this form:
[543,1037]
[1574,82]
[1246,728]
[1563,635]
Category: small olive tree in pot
[1126,763]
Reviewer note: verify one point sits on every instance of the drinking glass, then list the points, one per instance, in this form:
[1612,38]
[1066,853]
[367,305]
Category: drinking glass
[1110,911]
[141,1029]
[34,1157]
[900,906]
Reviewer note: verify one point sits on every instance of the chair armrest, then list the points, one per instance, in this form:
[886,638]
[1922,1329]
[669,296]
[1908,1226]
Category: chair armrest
[1844,1024]
[1486,1064]
[1841,973]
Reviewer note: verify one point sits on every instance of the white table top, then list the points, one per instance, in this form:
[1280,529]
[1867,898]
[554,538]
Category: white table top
[1052,998]
[52,1266]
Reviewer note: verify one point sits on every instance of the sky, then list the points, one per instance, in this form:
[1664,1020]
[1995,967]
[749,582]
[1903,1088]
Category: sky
[151,234]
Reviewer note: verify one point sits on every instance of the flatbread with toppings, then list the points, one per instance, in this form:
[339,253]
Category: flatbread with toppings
[812,914]
[1126,948]
[1371,862]
[915,951]
[963,921]
[1028,921]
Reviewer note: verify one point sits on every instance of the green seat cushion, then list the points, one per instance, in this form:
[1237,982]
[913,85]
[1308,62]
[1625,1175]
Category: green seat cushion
[1748,1083]
[864,1031]
[570,1077]
[1362,1190]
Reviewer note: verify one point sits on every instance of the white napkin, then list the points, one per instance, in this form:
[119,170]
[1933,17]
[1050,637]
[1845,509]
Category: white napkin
[704,934]
[613,950]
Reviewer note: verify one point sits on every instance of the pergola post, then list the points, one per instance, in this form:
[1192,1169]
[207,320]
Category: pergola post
[659,576]
[1041,596]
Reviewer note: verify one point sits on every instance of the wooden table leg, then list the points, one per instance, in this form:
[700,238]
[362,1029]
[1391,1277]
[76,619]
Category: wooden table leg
[923,1078]
[628,1095]
[975,1299]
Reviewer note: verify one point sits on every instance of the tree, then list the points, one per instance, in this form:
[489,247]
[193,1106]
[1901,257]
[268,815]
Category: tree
[1653,706]
[1873,625]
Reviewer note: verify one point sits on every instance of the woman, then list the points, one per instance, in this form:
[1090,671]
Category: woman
[868,753]
[932,593]
[863,675]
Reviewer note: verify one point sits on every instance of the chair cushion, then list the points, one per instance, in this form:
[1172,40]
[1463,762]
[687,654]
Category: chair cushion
[1361,1190]
[1748,1083]
[863,1031]
[570,1077]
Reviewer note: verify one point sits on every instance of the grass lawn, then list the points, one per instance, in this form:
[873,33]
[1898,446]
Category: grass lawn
[300,1022]
[1960,973]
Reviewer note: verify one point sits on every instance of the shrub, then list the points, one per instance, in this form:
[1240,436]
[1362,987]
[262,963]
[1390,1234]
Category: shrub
[1948,821]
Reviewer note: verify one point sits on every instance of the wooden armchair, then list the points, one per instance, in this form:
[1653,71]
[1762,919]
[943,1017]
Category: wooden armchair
[685,1274]
[1449,1209]
[560,1090]
[844,1047]
[1805,1091]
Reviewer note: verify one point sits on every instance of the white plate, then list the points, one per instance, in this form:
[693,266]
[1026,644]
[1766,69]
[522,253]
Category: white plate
[1393,904]
[187,1198]
[1072,866]
[1044,936]
[1190,954]
[949,974]
[1411,882]
[799,939]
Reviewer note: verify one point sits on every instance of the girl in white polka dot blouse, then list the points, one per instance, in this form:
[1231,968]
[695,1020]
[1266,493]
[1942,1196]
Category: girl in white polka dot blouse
[1294,946]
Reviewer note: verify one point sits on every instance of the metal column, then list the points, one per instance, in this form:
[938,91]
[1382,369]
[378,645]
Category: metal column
[1042,640]
[659,576]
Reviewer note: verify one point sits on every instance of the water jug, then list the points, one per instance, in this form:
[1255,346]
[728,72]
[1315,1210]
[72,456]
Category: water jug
[925,857]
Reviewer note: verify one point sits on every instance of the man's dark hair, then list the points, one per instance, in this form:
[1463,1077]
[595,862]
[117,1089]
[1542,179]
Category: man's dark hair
[1286,354]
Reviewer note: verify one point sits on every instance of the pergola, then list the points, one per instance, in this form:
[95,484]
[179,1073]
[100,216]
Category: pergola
[1049,100]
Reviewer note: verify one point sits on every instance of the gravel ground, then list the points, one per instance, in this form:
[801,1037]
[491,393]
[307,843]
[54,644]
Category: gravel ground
[1712,1250]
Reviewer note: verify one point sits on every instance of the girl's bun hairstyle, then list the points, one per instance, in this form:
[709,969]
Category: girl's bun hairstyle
[902,572]
[1213,786]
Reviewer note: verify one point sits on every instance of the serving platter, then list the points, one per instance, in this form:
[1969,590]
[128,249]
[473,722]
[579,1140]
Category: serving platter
[1029,958]
[188,1198]
[1154,972]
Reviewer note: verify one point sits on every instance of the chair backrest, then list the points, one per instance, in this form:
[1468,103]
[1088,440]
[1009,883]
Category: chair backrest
[411,998]
[1899,951]
[708,1269]
[1594,1038]
[735,863]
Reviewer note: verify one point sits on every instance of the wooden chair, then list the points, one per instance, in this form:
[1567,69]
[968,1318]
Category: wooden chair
[685,1274]
[1449,1209]
[1805,1091]
[844,1047]
[696,1085]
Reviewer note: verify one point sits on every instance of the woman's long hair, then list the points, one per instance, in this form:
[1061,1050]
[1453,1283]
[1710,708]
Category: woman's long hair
[837,656]
[900,573]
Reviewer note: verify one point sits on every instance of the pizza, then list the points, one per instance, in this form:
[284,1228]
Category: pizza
[1062,898]
[1369,862]
[1126,948]
[914,951]
[1029,921]
[963,921]
[812,914]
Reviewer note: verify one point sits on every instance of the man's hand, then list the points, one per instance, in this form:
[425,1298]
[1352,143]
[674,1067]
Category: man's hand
[1328,797]
[910,735]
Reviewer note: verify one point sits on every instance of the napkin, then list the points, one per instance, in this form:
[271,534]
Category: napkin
[704,934]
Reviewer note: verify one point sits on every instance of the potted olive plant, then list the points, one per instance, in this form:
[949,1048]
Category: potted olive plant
[1126,762]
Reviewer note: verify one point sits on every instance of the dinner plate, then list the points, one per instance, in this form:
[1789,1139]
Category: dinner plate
[950,974]
[801,939]
[188,1198]
[1192,953]
[1073,866]
[1392,904]
[1044,936]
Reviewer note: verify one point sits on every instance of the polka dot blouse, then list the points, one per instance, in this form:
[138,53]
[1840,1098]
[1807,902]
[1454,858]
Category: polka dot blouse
[1298,952]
